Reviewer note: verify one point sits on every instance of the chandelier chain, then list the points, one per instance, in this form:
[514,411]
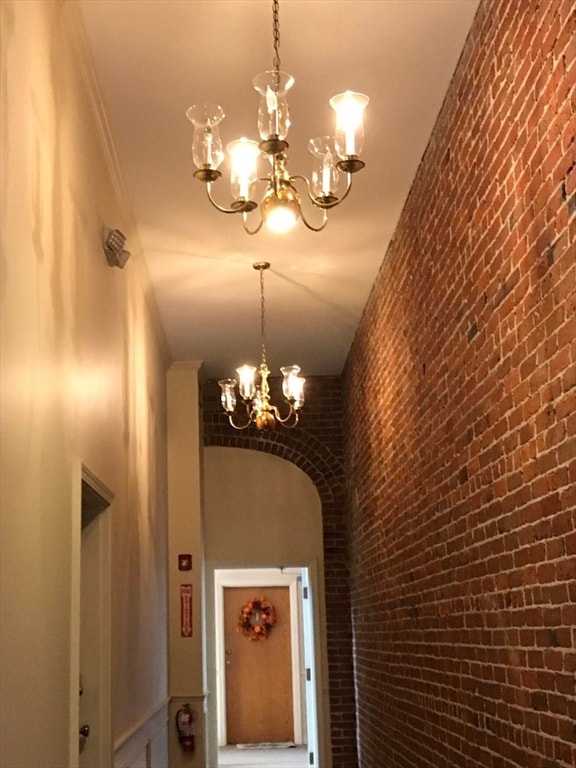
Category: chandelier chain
[262,316]
[276,35]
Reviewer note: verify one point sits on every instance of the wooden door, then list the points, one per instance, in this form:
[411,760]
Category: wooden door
[259,705]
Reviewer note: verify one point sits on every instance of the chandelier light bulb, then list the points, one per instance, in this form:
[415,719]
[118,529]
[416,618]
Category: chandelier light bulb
[281,209]
[297,392]
[244,156]
[349,107]
[246,385]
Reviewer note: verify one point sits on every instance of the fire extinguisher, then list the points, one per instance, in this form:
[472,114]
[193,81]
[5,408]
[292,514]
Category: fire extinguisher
[185,718]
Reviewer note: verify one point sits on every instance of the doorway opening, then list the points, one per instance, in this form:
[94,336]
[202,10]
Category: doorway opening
[267,711]
[90,739]
[253,531]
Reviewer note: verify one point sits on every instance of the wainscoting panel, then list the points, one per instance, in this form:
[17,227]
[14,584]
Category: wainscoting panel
[146,745]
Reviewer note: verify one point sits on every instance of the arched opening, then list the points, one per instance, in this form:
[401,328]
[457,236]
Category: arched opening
[316,447]
[262,529]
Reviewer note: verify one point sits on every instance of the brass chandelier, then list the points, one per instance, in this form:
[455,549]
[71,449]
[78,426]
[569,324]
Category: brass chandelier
[256,395]
[280,205]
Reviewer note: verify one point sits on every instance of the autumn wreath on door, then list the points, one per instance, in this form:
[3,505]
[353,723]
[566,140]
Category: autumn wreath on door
[256,619]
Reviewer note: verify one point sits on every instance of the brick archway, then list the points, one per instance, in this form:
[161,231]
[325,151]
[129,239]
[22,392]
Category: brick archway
[315,447]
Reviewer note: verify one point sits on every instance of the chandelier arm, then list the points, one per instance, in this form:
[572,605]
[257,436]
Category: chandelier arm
[239,426]
[344,196]
[311,227]
[215,204]
[318,203]
[247,228]
[292,414]
[265,179]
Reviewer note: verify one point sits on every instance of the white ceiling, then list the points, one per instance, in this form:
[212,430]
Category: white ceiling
[155,58]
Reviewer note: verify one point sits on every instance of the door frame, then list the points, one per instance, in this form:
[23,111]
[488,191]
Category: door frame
[81,474]
[259,577]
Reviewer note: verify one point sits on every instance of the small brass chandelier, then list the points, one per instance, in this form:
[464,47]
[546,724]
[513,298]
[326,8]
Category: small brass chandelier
[256,396]
[281,205]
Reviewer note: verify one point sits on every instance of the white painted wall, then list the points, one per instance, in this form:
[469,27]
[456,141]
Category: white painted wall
[83,380]
[260,511]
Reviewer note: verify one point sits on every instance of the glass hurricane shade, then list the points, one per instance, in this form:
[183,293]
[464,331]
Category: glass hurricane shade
[207,149]
[228,394]
[246,383]
[349,107]
[293,385]
[273,112]
[325,177]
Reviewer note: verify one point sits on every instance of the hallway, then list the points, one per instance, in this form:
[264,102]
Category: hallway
[431,482]
[232,757]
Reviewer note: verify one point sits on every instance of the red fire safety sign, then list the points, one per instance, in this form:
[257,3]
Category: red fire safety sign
[185,610]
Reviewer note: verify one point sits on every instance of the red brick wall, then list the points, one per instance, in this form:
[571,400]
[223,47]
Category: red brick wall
[460,417]
[316,447]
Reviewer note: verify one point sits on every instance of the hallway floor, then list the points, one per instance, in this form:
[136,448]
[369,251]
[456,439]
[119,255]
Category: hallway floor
[232,757]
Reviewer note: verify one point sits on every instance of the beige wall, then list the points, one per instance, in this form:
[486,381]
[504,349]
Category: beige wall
[83,381]
[261,511]
[186,657]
